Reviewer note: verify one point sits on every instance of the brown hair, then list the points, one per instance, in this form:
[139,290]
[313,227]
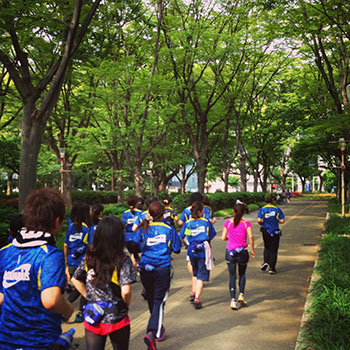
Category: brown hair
[238,211]
[41,209]
[132,202]
[156,210]
[196,210]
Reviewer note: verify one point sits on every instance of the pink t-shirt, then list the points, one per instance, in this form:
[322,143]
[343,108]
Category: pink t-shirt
[237,236]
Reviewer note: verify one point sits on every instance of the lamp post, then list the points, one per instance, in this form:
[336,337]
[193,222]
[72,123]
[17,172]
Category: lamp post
[342,146]
[62,154]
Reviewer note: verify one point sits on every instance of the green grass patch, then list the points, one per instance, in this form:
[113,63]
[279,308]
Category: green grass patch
[329,322]
[338,225]
[224,212]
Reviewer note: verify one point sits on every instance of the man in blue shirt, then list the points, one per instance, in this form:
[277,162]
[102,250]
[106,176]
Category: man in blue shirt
[32,277]
[269,217]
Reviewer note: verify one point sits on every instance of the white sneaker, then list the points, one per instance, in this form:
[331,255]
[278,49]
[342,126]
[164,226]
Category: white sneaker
[241,300]
[233,305]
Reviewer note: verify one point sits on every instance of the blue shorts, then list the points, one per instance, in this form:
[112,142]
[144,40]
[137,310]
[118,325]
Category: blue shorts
[199,269]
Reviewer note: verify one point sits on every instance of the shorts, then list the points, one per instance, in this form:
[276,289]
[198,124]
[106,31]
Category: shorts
[200,269]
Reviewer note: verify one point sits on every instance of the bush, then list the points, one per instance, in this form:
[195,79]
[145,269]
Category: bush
[115,209]
[338,226]
[296,194]
[330,311]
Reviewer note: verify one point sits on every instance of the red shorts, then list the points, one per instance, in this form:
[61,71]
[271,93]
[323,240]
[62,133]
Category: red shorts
[106,328]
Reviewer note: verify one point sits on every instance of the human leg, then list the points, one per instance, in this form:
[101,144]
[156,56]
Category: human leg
[232,279]
[94,341]
[147,279]
[120,338]
[275,241]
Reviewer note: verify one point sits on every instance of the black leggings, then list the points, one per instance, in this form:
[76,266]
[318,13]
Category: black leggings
[119,339]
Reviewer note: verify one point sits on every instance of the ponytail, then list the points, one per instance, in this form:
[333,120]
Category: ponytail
[238,211]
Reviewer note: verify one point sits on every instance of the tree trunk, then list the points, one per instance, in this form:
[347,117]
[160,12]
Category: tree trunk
[243,172]
[67,184]
[226,176]
[120,187]
[32,133]
[9,183]
[201,174]
[139,181]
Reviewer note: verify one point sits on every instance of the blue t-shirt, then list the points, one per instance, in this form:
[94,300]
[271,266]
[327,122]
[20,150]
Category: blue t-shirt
[77,243]
[129,219]
[197,230]
[169,215]
[24,274]
[186,214]
[271,216]
[157,244]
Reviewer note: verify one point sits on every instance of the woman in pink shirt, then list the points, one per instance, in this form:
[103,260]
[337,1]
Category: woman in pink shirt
[235,232]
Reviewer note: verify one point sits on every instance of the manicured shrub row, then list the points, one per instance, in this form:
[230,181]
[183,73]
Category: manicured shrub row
[220,200]
[329,322]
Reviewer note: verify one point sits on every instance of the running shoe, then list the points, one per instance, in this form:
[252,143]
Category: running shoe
[150,341]
[197,305]
[191,298]
[272,270]
[264,266]
[162,332]
[241,300]
[233,305]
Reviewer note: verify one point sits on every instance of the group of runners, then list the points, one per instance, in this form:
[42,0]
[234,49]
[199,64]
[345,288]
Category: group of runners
[95,265]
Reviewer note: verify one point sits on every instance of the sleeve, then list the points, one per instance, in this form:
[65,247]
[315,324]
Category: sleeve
[182,231]
[51,271]
[124,219]
[174,212]
[281,214]
[248,223]
[138,237]
[183,216]
[80,272]
[227,224]
[260,214]
[127,272]
[175,241]
[206,213]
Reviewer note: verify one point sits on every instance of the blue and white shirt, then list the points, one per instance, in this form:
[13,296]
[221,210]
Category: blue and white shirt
[186,214]
[197,230]
[129,219]
[24,274]
[77,243]
[157,244]
[270,216]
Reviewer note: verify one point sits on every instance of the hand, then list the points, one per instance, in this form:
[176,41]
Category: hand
[68,277]
[252,253]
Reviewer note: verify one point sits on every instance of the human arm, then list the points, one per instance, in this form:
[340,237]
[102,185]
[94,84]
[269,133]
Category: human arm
[224,236]
[126,293]
[65,252]
[80,286]
[53,300]
[1,298]
[251,241]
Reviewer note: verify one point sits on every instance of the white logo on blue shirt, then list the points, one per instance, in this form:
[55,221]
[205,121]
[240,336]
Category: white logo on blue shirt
[76,236]
[20,273]
[132,220]
[270,214]
[197,231]
[156,240]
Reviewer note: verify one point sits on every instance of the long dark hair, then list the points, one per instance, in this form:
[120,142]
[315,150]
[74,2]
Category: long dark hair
[95,213]
[156,210]
[132,202]
[107,249]
[238,211]
[81,213]
[196,210]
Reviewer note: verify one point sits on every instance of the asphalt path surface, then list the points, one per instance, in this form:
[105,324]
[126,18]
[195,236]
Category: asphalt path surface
[275,302]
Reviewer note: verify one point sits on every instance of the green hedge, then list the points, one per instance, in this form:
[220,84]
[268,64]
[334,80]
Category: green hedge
[338,225]
[220,200]
[329,322]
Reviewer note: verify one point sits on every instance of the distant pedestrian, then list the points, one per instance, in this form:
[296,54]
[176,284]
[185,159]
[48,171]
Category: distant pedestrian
[104,278]
[199,232]
[96,215]
[288,195]
[269,217]
[235,231]
[170,214]
[157,240]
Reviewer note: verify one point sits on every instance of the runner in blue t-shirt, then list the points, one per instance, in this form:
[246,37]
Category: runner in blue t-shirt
[32,277]
[129,218]
[157,240]
[199,232]
[270,217]
[75,246]
[96,215]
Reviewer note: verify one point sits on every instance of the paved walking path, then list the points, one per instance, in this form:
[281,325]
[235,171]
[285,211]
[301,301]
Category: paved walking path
[276,302]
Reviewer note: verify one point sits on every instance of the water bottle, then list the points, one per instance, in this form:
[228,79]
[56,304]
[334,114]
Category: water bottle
[64,341]
[238,250]
[198,248]
[149,267]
